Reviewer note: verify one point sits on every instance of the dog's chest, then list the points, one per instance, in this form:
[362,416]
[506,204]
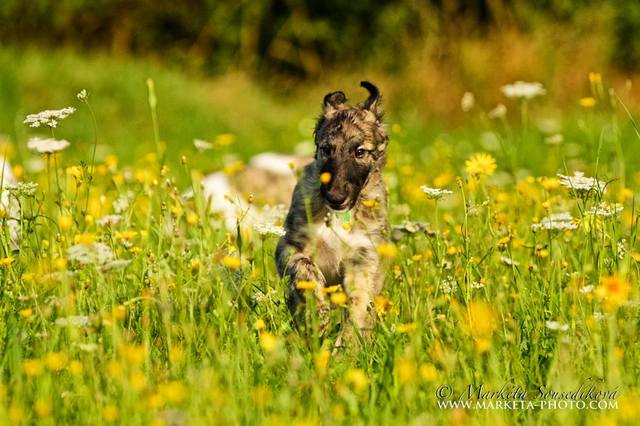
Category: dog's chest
[337,238]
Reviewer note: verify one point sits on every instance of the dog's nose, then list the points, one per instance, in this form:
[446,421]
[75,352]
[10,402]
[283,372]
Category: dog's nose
[336,199]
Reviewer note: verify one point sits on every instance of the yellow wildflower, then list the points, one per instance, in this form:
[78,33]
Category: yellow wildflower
[110,413]
[261,395]
[321,360]
[225,139]
[65,222]
[405,370]
[358,379]
[260,324]
[614,290]
[268,341]
[174,391]
[32,367]
[232,262]
[481,319]
[305,285]
[339,298]
[56,361]
[85,238]
[75,367]
[6,262]
[383,304]
[126,235]
[137,380]
[387,250]
[192,218]
[428,372]
[587,102]
[480,164]
[406,328]
[133,354]
[42,408]
[325,177]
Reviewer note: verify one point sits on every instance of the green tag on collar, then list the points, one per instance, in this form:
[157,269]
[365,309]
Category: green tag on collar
[346,216]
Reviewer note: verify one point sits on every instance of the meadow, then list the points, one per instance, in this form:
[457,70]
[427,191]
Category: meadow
[123,302]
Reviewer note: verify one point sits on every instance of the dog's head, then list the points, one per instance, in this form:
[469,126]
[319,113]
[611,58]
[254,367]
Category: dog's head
[351,142]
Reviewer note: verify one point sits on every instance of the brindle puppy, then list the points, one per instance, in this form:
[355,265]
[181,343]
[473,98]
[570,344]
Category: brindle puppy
[333,228]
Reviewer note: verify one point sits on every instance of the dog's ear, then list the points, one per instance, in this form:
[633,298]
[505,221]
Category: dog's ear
[374,101]
[333,102]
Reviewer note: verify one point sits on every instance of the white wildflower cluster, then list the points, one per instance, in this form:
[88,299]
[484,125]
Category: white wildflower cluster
[86,347]
[467,102]
[123,201]
[98,254]
[262,297]
[556,222]
[83,95]
[500,111]
[581,185]
[622,248]
[74,321]
[268,230]
[448,285]
[202,145]
[606,210]
[586,289]
[109,220]
[555,139]
[599,316]
[23,189]
[116,264]
[49,117]
[435,193]
[476,285]
[94,253]
[523,90]
[556,326]
[47,145]
[266,221]
[509,261]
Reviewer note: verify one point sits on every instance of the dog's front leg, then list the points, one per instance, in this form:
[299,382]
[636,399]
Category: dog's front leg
[363,280]
[299,267]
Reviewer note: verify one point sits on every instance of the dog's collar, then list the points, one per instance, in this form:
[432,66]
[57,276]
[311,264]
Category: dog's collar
[344,217]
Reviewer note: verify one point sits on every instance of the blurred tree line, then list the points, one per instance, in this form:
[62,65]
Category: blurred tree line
[295,37]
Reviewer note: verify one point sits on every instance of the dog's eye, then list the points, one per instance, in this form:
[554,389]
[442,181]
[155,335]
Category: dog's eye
[360,152]
[325,150]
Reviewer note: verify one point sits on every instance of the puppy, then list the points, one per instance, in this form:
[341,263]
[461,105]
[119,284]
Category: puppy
[338,213]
